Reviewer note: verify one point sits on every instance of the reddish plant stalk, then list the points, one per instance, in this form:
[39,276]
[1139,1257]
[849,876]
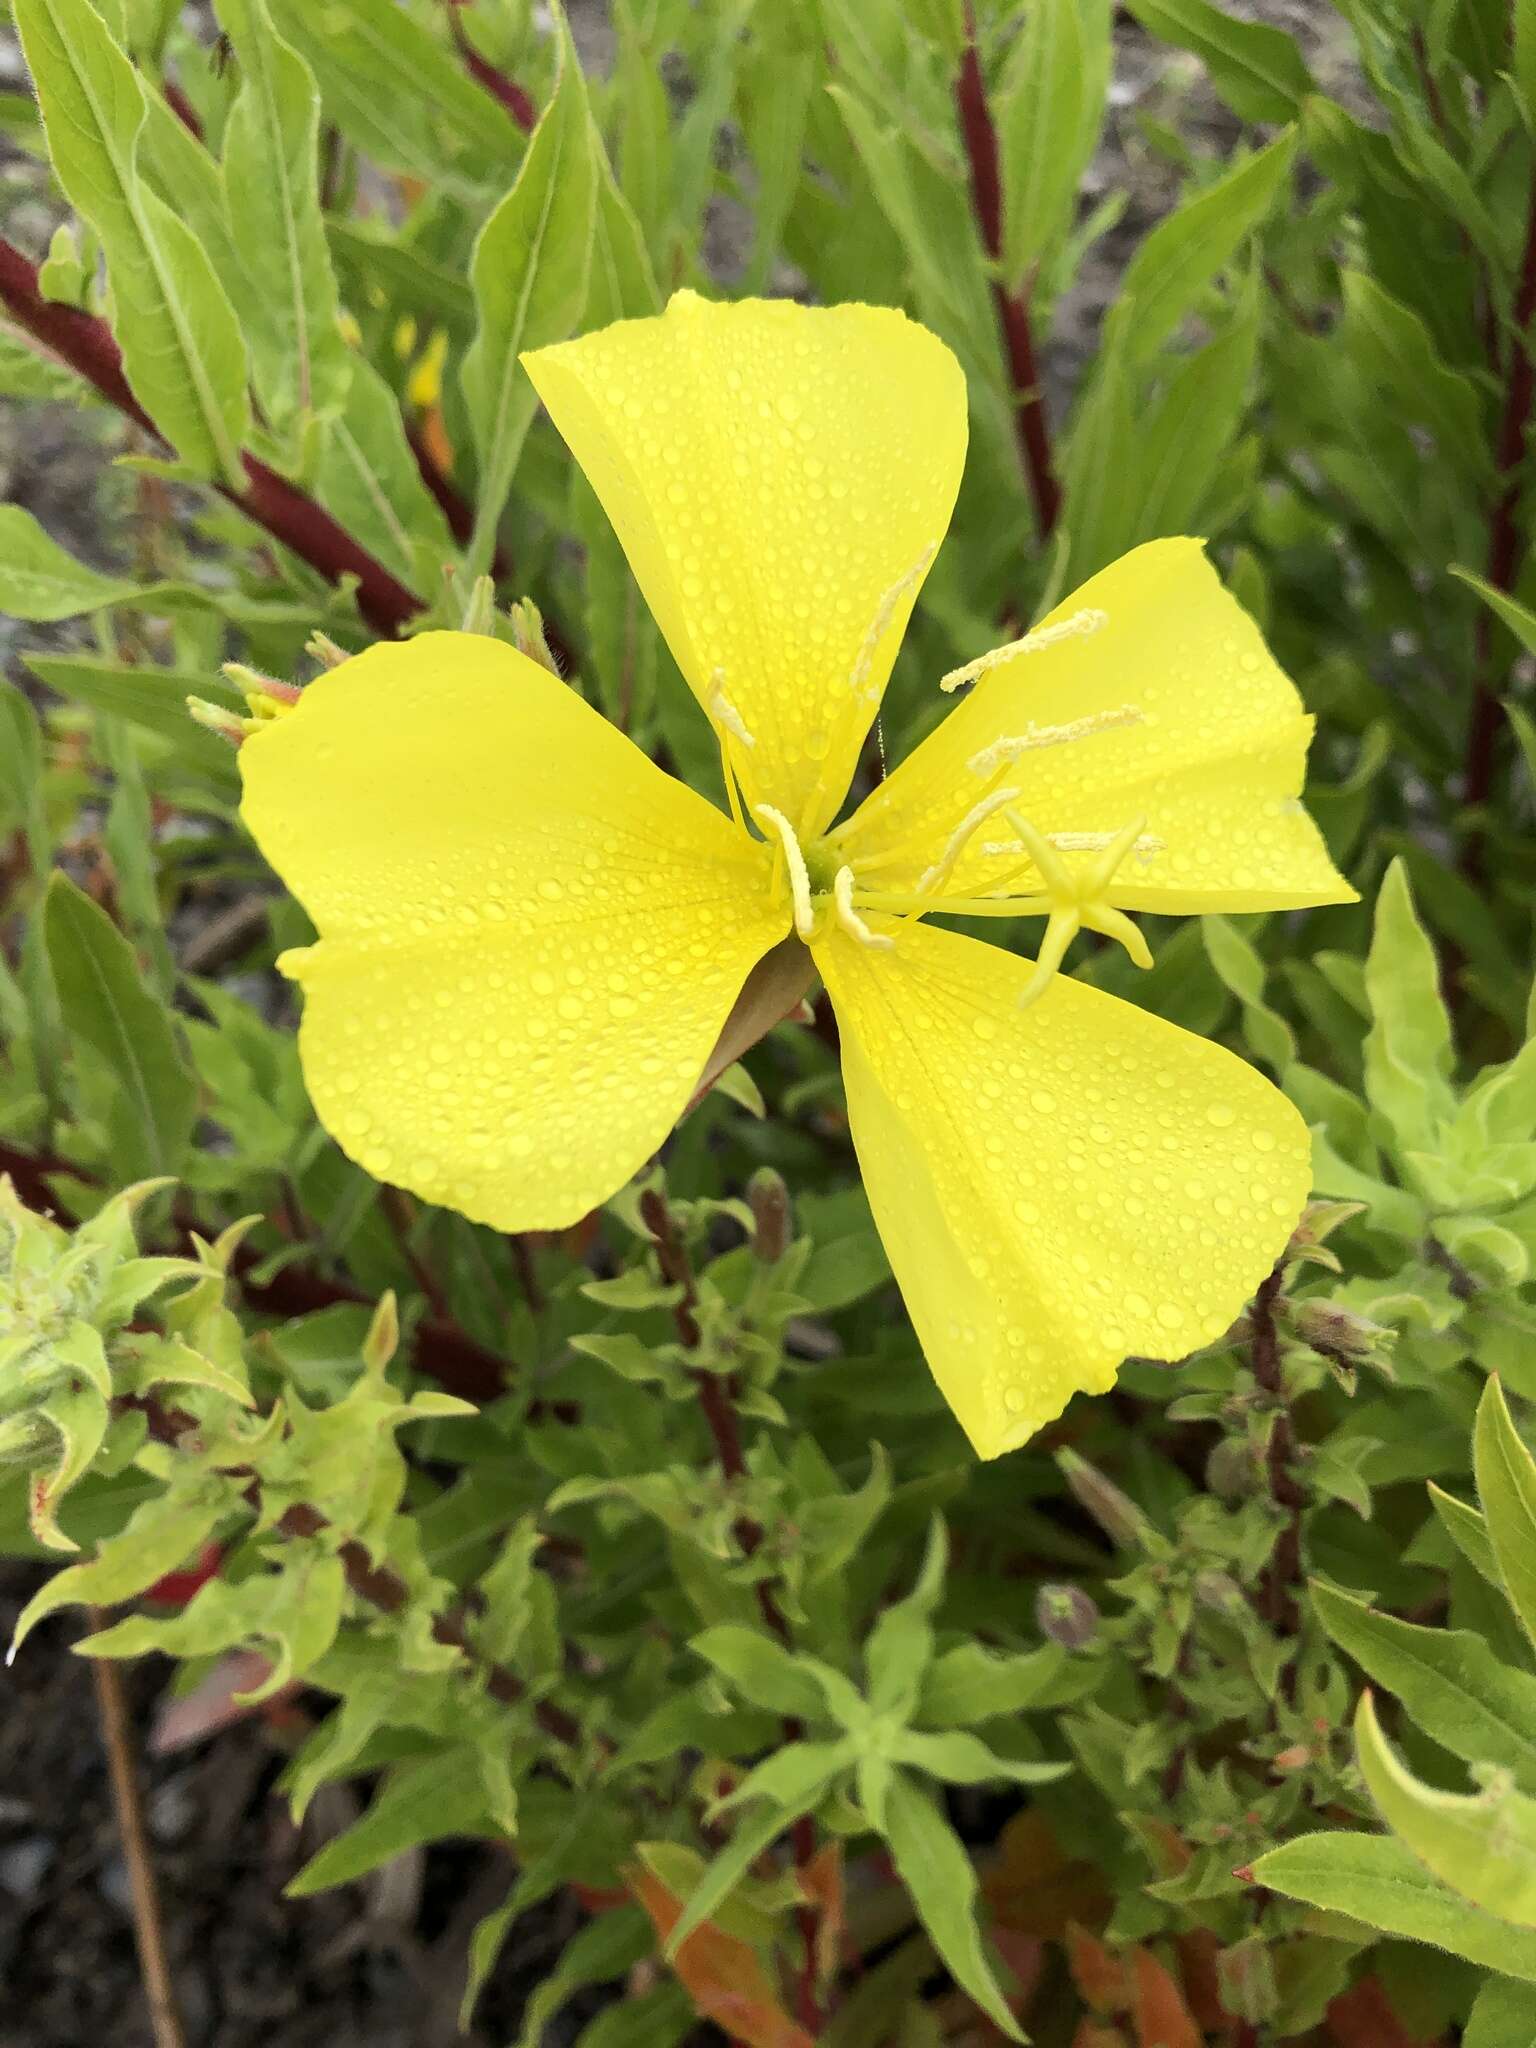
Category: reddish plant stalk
[1504,536]
[290,515]
[1031,425]
[506,91]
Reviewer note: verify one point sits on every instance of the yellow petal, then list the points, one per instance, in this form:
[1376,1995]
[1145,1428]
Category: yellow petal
[529,936]
[1214,761]
[1057,1188]
[773,471]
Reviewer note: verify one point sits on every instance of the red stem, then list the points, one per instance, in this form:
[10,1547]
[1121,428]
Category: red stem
[182,107]
[86,344]
[501,88]
[1504,537]
[1029,416]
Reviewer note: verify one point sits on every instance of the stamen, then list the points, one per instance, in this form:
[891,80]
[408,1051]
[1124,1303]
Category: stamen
[724,711]
[1008,749]
[1086,621]
[935,877]
[858,680]
[885,611]
[799,878]
[848,917]
[1144,847]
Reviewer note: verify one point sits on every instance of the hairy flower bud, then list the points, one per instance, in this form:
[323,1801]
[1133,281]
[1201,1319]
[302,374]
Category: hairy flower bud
[768,1198]
[1217,1589]
[1066,1615]
[1115,1512]
[528,634]
[1339,1332]
[1233,1471]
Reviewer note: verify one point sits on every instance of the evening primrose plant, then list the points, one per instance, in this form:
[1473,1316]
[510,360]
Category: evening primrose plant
[761,944]
[531,937]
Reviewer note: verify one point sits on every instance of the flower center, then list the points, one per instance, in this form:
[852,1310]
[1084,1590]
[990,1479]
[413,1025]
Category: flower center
[819,887]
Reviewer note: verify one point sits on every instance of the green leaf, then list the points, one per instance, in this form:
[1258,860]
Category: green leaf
[1182,461]
[368,479]
[1483,1847]
[422,1801]
[604,1949]
[797,1776]
[963,1759]
[299,360]
[1049,108]
[1243,971]
[399,92]
[1468,1531]
[1449,1681]
[161,1533]
[1503,2014]
[1258,70]
[761,1670]
[77,1415]
[183,351]
[106,1007]
[293,1613]
[900,1644]
[941,1880]
[1520,621]
[1184,254]
[529,270]
[1506,1486]
[1523,73]
[622,285]
[38,580]
[25,372]
[1379,1880]
[972,1683]
[1397,353]
[1408,1052]
[154,700]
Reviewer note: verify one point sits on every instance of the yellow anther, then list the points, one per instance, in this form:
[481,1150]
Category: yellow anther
[848,917]
[794,860]
[724,712]
[1078,898]
[1069,628]
[1004,751]
[885,611]
[1077,842]
[860,696]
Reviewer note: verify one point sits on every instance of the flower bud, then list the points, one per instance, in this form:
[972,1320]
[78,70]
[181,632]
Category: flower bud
[321,648]
[768,1199]
[1340,1333]
[528,634]
[1066,1615]
[1233,1471]
[1115,1512]
[1217,1589]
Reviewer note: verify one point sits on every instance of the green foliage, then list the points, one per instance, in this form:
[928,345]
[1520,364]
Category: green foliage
[712,1614]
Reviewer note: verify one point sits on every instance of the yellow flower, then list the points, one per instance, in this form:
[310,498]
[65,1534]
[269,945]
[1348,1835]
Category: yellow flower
[531,935]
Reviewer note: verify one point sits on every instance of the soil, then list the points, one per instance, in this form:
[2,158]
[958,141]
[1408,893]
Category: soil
[379,1964]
